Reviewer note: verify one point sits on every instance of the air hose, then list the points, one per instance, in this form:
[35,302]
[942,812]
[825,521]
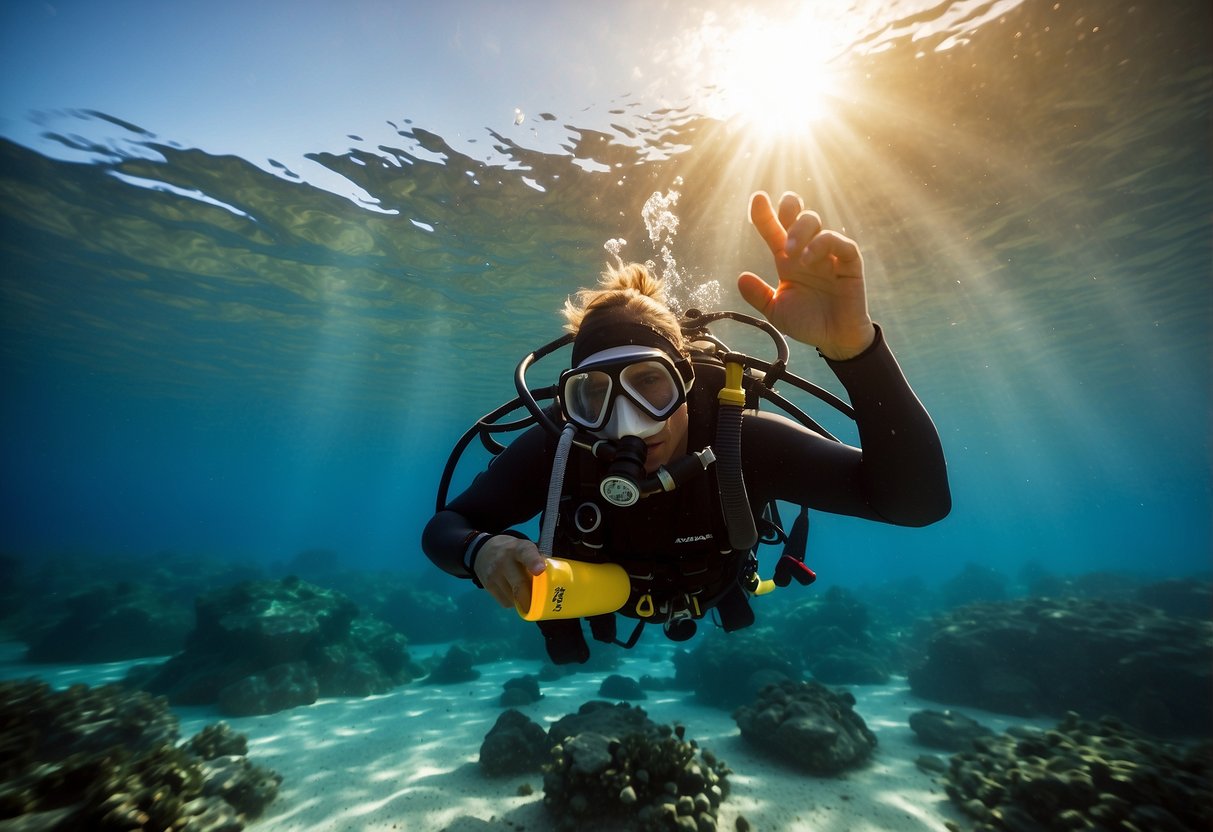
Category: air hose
[743,535]
[547,535]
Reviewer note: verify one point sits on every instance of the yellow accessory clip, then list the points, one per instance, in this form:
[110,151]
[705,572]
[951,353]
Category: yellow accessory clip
[755,586]
[732,392]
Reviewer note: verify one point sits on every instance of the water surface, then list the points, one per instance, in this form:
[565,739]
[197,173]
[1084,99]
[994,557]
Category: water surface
[242,357]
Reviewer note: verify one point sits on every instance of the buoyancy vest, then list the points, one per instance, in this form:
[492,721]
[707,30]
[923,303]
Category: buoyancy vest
[674,546]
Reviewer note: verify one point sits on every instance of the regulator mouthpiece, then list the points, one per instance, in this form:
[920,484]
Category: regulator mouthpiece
[621,485]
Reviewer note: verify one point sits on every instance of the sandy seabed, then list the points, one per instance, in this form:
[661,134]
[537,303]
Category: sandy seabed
[407,760]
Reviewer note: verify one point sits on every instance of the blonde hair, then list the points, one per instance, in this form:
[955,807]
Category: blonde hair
[632,287]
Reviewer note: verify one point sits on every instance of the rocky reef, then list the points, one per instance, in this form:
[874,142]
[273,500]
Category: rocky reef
[108,758]
[520,691]
[947,730]
[109,622]
[454,667]
[1082,776]
[1048,656]
[515,745]
[807,725]
[262,646]
[727,670]
[610,764]
[835,639]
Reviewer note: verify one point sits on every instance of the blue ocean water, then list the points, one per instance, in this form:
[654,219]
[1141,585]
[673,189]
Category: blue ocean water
[223,357]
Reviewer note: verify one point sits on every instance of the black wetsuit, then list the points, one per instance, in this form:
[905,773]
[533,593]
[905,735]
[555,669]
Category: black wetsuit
[899,476]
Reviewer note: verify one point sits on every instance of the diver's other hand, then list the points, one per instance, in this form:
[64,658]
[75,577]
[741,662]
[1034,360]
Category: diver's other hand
[821,298]
[505,566]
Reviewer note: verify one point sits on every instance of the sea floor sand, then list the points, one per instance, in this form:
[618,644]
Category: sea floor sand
[407,760]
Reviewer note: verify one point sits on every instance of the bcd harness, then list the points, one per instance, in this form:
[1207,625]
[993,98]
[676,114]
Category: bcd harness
[682,560]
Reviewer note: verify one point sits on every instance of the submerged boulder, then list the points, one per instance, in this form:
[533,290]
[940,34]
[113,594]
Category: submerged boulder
[726,671]
[807,725]
[111,622]
[1052,655]
[947,730]
[514,745]
[611,764]
[522,690]
[616,686]
[262,646]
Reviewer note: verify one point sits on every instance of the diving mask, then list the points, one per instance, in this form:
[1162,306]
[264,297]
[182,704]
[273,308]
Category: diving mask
[624,391]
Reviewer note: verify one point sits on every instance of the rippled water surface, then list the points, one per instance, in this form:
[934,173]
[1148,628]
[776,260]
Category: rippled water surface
[250,356]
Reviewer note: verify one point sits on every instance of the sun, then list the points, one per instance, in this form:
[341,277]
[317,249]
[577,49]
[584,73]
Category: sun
[778,76]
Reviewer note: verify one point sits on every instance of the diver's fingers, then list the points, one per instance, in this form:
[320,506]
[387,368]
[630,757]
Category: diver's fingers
[527,564]
[843,250]
[521,592]
[499,587]
[790,206]
[801,233]
[532,562]
[755,291]
[762,214]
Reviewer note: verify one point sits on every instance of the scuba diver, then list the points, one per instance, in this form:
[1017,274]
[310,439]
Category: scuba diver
[653,455]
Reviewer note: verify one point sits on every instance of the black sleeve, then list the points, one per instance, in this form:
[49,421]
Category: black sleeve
[510,491]
[898,477]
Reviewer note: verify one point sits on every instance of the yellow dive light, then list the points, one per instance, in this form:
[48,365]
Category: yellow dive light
[575,589]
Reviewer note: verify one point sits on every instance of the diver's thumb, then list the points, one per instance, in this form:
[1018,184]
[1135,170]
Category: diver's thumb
[537,564]
[755,291]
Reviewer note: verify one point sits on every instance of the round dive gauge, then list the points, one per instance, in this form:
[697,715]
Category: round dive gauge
[619,491]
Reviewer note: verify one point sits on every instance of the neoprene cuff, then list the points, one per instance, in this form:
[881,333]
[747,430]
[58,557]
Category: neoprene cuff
[472,548]
[877,343]
[475,543]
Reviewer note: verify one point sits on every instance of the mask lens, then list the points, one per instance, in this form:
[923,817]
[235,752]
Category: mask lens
[652,386]
[586,396]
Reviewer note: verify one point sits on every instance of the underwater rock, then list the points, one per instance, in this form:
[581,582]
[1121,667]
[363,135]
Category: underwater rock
[514,745]
[218,740]
[523,690]
[109,623]
[1082,775]
[620,687]
[930,764]
[1189,597]
[648,682]
[371,659]
[842,665]
[245,787]
[807,725]
[974,583]
[834,639]
[606,718]
[283,686]
[947,730]
[423,616]
[455,667]
[245,635]
[314,564]
[728,671]
[107,758]
[1050,655]
[643,777]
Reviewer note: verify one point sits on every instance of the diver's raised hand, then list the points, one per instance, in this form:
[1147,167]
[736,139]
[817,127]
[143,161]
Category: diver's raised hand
[505,566]
[821,298]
